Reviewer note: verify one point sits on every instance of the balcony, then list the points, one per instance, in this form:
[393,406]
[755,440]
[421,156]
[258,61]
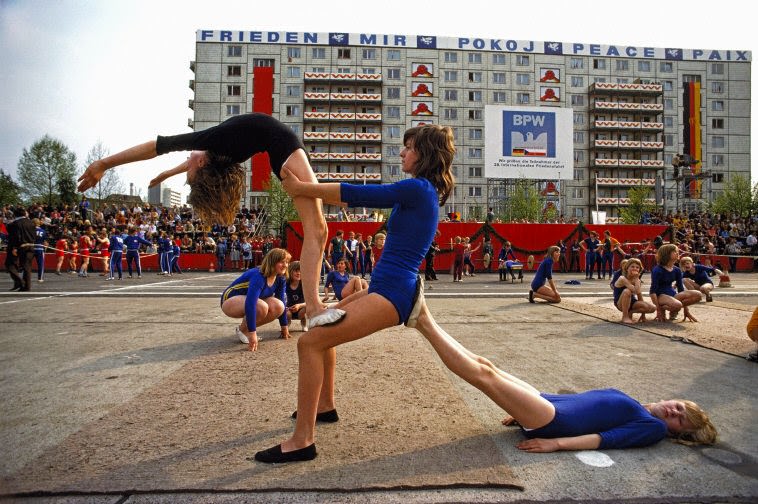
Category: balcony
[341,97]
[373,117]
[628,144]
[343,157]
[192,84]
[626,89]
[341,77]
[648,164]
[349,177]
[625,182]
[192,104]
[641,108]
[612,201]
[192,66]
[633,126]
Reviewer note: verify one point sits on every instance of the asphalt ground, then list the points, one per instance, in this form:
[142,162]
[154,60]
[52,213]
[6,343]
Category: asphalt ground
[555,348]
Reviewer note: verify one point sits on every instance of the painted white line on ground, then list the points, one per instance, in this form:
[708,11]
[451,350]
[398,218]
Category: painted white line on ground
[595,458]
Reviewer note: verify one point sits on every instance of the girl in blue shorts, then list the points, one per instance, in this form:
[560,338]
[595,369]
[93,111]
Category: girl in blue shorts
[427,157]
[545,275]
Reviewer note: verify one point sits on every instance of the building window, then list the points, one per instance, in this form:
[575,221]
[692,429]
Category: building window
[233,90]
[598,64]
[578,174]
[717,68]
[577,100]
[668,85]
[474,96]
[718,177]
[394,170]
[393,73]
[668,104]
[475,76]
[368,70]
[474,171]
[717,87]
[668,140]
[393,112]
[451,94]
[579,212]
[522,60]
[318,69]
[578,137]
[393,131]
[393,150]
[393,55]
[293,52]
[498,77]
[577,193]
[451,113]
[318,53]
[369,54]
[232,110]
[234,50]
[293,110]
[474,152]
[498,96]
[717,123]
[475,133]
[343,70]
[578,118]
[234,71]
[643,66]
[622,65]
[598,79]
[498,59]
[451,76]
[292,90]
[717,160]
[475,115]
[522,98]
[718,142]
[293,71]
[717,106]
[577,62]
[393,93]
[622,80]
[343,53]
[578,156]
[451,57]
[474,57]
[668,122]
[522,79]
[263,62]
[577,81]
[667,66]
[475,191]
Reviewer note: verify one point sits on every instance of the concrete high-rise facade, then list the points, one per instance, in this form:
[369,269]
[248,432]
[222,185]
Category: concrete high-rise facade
[351,96]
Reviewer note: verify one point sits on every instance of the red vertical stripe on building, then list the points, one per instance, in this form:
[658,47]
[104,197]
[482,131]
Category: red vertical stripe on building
[263,101]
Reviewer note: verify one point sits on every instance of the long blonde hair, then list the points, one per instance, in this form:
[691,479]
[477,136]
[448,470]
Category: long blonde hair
[435,147]
[216,190]
[705,432]
[268,266]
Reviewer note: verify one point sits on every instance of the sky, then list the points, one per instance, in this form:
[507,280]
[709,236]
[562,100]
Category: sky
[117,71]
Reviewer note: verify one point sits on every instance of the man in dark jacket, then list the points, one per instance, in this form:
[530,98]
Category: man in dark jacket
[21,235]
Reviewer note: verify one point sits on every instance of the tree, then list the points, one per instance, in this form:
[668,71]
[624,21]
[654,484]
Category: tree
[279,206]
[10,192]
[110,183]
[67,191]
[524,202]
[42,167]
[638,205]
[737,197]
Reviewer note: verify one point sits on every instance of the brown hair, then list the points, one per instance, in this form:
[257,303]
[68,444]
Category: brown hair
[294,266]
[435,147]
[551,250]
[628,262]
[663,255]
[216,190]
[275,255]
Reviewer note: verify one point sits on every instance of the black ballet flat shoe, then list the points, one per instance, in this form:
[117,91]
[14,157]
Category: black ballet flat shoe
[274,455]
[327,416]
[531,296]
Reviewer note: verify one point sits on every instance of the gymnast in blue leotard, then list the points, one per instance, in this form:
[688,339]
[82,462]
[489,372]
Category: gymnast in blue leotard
[544,275]
[427,157]
[662,279]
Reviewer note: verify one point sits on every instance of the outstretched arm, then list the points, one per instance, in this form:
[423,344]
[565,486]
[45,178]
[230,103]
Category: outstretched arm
[168,173]
[538,445]
[96,170]
[329,192]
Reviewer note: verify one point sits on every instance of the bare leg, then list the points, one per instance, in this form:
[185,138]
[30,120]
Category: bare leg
[518,398]
[625,301]
[547,294]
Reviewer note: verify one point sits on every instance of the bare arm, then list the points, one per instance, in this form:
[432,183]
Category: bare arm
[169,173]
[537,445]
[329,192]
[96,170]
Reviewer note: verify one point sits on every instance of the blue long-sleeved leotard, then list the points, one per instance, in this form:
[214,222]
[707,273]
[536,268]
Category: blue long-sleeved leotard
[252,284]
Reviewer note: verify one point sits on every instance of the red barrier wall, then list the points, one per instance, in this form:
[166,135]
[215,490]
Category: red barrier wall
[149,263]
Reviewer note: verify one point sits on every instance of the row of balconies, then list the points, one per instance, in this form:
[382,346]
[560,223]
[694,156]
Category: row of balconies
[620,201]
[626,107]
[342,177]
[361,157]
[627,144]
[335,136]
[341,77]
[625,88]
[343,116]
[653,164]
[628,125]
[319,96]
[610,181]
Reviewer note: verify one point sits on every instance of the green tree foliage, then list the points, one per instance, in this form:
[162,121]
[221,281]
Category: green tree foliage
[737,198]
[524,202]
[279,206]
[638,205]
[42,167]
[10,192]
[66,188]
[110,183]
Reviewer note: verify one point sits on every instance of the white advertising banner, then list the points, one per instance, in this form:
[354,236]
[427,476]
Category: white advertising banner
[528,142]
